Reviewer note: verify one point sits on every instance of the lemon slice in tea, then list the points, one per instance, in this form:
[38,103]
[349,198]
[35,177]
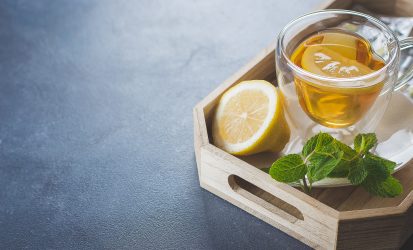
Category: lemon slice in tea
[341,43]
[326,62]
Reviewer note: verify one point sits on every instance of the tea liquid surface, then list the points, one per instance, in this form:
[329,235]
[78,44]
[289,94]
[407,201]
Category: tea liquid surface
[337,54]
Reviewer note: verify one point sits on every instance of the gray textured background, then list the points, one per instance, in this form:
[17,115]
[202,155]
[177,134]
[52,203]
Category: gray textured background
[96,141]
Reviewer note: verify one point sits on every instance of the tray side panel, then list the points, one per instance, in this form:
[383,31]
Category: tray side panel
[388,7]
[336,4]
[197,138]
[378,6]
[315,228]
[403,8]
[388,232]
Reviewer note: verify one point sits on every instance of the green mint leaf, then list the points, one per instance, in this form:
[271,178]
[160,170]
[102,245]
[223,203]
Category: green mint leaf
[376,168]
[364,142]
[357,173]
[310,146]
[320,142]
[349,153]
[341,170]
[288,168]
[390,165]
[349,159]
[323,156]
[322,164]
[390,187]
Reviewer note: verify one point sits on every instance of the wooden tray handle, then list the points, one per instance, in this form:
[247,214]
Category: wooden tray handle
[265,200]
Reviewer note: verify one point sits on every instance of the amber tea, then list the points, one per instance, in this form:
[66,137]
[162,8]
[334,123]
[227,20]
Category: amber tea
[338,54]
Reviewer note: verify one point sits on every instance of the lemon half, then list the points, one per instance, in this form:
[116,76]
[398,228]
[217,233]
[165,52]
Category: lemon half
[250,119]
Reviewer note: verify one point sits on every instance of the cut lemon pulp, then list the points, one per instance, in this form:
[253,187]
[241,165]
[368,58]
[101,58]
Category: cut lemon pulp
[250,119]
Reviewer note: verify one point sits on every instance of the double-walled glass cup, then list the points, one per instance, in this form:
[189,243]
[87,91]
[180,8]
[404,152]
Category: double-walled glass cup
[342,107]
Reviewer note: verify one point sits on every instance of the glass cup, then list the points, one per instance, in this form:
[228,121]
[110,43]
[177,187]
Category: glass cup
[342,107]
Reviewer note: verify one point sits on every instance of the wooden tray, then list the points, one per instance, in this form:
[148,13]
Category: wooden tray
[332,218]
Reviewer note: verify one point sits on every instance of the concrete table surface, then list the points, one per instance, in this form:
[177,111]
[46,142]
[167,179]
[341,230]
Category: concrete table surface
[96,136]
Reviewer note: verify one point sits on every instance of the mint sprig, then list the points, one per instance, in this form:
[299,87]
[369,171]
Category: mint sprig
[364,142]
[290,168]
[323,156]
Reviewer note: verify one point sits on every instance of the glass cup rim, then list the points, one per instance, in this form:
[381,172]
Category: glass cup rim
[374,20]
